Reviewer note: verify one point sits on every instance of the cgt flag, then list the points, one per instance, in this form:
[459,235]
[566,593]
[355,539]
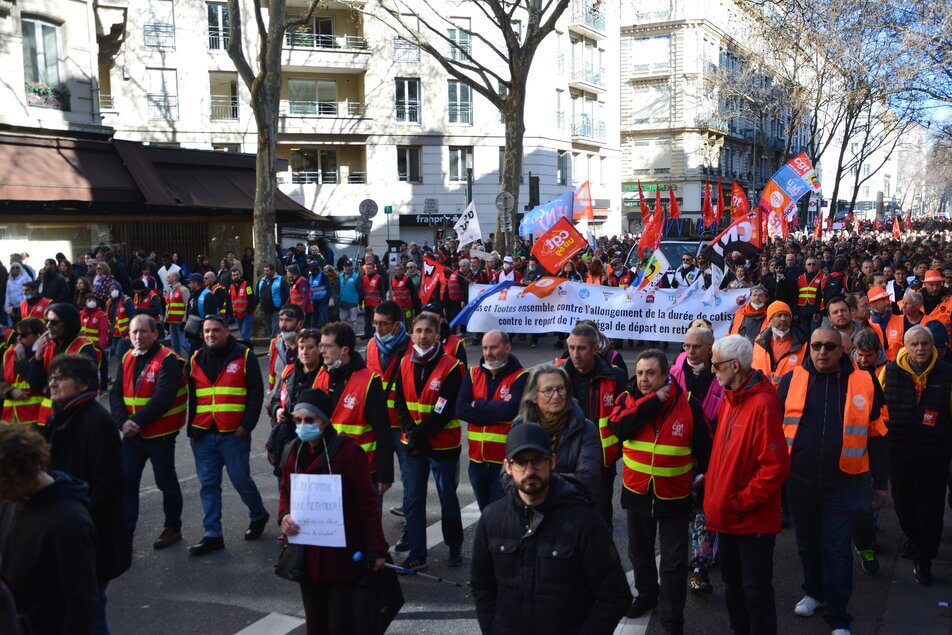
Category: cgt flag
[673,210]
[719,212]
[557,246]
[897,231]
[707,214]
[433,275]
[743,235]
[739,203]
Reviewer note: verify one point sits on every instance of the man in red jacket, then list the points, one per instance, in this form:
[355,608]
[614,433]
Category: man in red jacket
[749,464]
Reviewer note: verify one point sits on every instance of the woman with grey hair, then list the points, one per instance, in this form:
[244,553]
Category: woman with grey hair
[547,400]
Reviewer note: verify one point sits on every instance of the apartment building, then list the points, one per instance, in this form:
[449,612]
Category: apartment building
[680,120]
[367,115]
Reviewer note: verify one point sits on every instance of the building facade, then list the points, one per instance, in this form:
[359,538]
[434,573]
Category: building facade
[366,115]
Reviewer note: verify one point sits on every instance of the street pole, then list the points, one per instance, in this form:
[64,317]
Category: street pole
[469,185]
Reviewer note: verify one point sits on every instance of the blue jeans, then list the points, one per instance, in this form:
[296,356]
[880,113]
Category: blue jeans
[416,473]
[121,347]
[484,477]
[244,326]
[212,452]
[161,451]
[179,341]
[823,521]
[319,317]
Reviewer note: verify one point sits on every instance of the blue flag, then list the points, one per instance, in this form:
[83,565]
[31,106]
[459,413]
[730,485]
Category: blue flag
[463,316]
[541,218]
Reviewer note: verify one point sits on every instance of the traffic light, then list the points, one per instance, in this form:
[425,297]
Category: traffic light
[533,191]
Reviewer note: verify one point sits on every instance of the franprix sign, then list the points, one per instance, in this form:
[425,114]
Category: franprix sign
[412,220]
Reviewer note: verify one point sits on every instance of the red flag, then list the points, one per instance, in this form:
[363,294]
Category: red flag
[897,232]
[673,210]
[707,214]
[657,204]
[818,228]
[907,219]
[877,225]
[433,274]
[739,203]
[856,226]
[645,210]
[582,203]
[557,245]
[719,212]
[652,232]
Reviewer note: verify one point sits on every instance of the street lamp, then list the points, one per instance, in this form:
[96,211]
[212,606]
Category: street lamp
[469,177]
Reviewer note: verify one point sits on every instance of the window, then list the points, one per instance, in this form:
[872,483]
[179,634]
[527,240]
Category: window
[223,91]
[602,163]
[217,26]
[865,191]
[317,33]
[40,53]
[461,43]
[159,30]
[461,158]
[314,166]
[517,29]
[562,168]
[407,100]
[408,164]
[502,161]
[460,102]
[226,147]
[312,97]
[559,110]
[866,169]
[163,93]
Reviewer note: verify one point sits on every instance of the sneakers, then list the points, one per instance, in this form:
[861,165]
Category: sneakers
[456,559]
[807,606]
[922,572]
[869,560]
[397,511]
[640,605]
[699,582]
[414,564]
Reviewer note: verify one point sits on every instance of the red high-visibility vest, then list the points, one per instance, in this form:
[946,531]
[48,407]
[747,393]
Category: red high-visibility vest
[239,298]
[89,321]
[662,456]
[348,417]
[223,401]
[401,292]
[24,410]
[135,397]
[120,327]
[37,311]
[606,403]
[387,376]
[141,302]
[372,295]
[452,345]
[174,306]
[453,288]
[487,444]
[808,291]
[75,347]
[420,405]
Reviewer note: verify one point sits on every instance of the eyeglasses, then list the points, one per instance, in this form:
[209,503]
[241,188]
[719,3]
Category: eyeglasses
[829,347]
[717,365]
[53,322]
[55,379]
[537,463]
[217,318]
[555,390]
[310,333]
[305,419]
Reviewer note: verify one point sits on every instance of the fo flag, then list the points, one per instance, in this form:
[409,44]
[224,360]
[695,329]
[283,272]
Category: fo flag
[467,227]
[739,203]
[557,246]
[582,203]
[543,287]
[743,235]
[433,275]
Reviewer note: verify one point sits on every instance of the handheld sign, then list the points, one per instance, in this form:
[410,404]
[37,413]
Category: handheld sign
[318,509]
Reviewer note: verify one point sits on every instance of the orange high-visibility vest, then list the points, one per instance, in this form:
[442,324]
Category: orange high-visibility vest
[662,456]
[348,417]
[895,332]
[387,377]
[136,396]
[793,359]
[452,345]
[420,405]
[223,401]
[858,417]
[487,444]
[174,306]
[89,321]
[24,410]
[606,402]
[807,294]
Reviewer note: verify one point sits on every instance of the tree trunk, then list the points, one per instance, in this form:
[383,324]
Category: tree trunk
[514,115]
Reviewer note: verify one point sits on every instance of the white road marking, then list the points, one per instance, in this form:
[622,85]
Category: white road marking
[635,626]
[272,624]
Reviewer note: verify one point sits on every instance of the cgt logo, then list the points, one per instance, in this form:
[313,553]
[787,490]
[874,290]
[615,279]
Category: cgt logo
[554,242]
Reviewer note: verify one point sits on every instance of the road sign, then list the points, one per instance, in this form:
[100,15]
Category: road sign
[431,206]
[505,202]
[363,225]
[388,209]
[367,208]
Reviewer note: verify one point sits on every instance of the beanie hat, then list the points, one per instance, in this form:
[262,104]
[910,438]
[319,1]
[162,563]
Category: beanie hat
[940,336]
[776,307]
[314,402]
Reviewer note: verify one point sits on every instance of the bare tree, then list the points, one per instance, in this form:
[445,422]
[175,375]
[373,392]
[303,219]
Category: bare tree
[425,24]
[262,76]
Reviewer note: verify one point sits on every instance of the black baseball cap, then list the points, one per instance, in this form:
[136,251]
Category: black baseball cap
[433,307]
[528,436]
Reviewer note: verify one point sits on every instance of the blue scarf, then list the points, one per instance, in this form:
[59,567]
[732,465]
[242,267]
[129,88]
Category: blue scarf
[386,348]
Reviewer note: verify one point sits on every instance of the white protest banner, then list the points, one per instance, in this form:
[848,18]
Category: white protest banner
[318,509]
[482,255]
[467,227]
[659,314]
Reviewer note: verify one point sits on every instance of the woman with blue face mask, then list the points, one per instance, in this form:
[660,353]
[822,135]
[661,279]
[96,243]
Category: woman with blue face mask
[330,573]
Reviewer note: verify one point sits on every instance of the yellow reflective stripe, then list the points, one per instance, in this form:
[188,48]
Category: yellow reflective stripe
[22,385]
[369,447]
[29,401]
[455,423]
[205,392]
[391,403]
[135,401]
[354,430]
[486,436]
[654,470]
[221,407]
[667,450]
[176,410]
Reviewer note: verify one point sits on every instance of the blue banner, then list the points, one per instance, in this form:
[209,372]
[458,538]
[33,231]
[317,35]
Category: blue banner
[544,216]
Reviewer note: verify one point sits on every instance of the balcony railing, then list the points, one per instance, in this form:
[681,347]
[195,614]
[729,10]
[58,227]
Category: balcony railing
[404,51]
[587,73]
[712,123]
[653,67]
[560,120]
[316,177]
[326,108]
[159,36]
[162,106]
[408,111]
[460,50]
[461,113]
[589,129]
[318,41]
[106,102]
[357,177]
[586,13]
[217,38]
[224,107]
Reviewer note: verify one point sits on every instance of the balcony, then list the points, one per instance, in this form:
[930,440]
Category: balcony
[322,117]
[585,18]
[654,69]
[159,36]
[778,143]
[404,51]
[461,114]
[217,38]
[312,51]
[106,102]
[407,111]
[460,51]
[224,108]
[711,123]
[162,106]
[587,131]
[587,77]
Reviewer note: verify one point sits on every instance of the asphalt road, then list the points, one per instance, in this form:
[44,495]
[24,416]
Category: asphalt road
[235,591]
